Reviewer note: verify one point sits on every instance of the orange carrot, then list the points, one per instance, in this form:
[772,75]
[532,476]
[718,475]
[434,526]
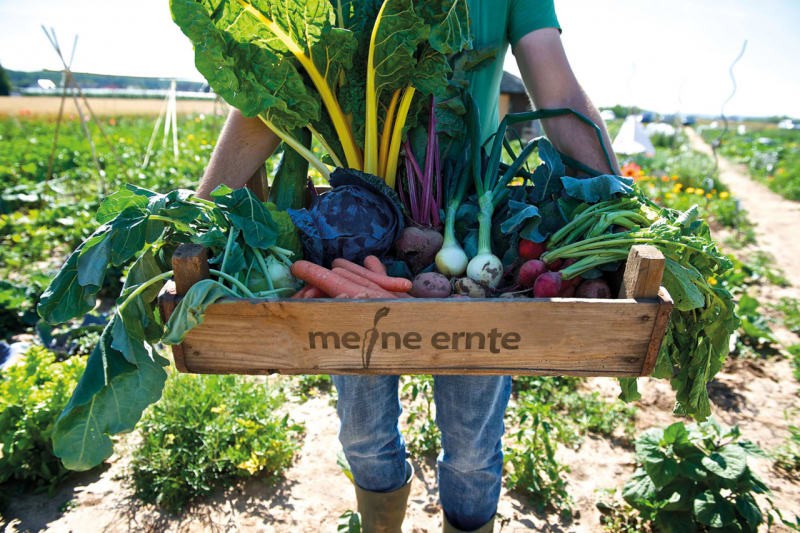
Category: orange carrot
[302,292]
[373,263]
[364,282]
[329,282]
[314,292]
[386,282]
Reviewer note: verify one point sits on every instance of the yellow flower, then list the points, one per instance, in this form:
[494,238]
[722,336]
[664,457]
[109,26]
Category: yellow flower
[699,192]
[690,190]
[668,195]
[709,195]
[724,194]
[190,136]
[712,281]
[665,178]
[781,170]
[674,177]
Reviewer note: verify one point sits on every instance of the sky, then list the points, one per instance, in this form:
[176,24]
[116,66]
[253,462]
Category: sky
[666,56]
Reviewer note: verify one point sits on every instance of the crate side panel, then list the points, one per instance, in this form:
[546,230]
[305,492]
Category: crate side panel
[583,337]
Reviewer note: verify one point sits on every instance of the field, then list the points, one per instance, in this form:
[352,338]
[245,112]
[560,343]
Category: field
[772,155]
[15,106]
[249,454]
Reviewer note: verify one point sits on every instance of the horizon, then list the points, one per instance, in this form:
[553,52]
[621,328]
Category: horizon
[662,72]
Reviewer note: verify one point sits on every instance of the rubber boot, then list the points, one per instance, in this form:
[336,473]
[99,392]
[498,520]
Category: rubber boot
[447,527]
[383,512]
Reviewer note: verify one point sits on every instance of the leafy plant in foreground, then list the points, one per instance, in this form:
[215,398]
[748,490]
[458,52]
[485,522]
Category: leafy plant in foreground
[206,433]
[32,394]
[696,478]
[423,435]
[141,228]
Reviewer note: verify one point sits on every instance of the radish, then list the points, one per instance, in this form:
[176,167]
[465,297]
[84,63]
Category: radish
[531,270]
[567,290]
[555,265]
[548,285]
[529,249]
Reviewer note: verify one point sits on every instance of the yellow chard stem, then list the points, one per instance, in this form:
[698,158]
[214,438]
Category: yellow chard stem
[387,134]
[351,152]
[299,148]
[371,115]
[397,136]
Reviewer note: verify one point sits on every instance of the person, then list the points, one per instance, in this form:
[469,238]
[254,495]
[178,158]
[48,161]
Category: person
[469,409]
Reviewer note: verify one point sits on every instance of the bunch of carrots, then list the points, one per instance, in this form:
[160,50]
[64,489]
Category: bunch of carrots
[349,280]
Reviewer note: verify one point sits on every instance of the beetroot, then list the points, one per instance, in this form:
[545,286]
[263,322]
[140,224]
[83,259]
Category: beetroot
[555,265]
[548,285]
[593,288]
[430,285]
[531,270]
[529,249]
[567,290]
[418,246]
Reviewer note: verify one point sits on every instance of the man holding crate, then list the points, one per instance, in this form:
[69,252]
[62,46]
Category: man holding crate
[470,409]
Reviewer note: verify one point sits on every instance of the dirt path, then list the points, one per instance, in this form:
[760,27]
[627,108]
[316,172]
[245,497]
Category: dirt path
[776,219]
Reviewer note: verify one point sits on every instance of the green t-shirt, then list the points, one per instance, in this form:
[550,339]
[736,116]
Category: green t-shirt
[495,24]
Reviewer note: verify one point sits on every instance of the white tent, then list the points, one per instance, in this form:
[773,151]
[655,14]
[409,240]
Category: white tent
[632,138]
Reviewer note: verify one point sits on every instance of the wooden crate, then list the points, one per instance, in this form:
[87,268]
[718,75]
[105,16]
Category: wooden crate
[521,336]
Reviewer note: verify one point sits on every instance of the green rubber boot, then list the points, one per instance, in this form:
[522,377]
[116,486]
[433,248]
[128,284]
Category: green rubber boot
[488,527]
[383,512]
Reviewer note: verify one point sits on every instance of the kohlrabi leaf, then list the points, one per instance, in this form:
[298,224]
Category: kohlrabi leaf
[109,399]
[191,310]
[65,298]
[250,215]
[597,189]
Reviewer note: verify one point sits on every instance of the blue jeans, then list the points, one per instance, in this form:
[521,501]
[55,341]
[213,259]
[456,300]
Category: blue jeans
[469,413]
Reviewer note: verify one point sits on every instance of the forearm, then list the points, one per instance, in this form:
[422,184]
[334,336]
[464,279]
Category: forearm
[577,139]
[552,84]
[244,144]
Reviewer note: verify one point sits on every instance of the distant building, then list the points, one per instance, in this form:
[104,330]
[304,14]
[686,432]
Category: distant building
[514,99]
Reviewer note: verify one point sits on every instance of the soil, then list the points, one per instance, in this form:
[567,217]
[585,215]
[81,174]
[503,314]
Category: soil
[755,394]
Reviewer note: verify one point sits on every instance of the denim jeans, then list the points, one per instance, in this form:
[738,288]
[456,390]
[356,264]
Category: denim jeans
[469,413]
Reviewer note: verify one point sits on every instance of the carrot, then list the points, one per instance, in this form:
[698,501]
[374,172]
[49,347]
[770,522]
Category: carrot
[386,282]
[314,292]
[329,282]
[364,282]
[373,263]
[302,292]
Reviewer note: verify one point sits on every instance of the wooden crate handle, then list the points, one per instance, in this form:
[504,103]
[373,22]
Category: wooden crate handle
[643,272]
[189,265]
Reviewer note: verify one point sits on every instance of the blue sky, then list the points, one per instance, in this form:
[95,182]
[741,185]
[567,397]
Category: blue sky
[663,55]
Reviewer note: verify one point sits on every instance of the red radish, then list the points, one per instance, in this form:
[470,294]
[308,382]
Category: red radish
[555,265]
[593,288]
[529,249]
[569,262]
[573,282]
[548,285]
[531,270]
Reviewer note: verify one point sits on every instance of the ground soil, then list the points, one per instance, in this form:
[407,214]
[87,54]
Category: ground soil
[755,394]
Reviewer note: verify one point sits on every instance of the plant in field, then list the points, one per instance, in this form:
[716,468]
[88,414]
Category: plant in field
[755,333]
[790,309]
[616,516]
[422,436]
[206,433]
[32,394]
[787,456]
[349,522]
[530,462]
[696,478]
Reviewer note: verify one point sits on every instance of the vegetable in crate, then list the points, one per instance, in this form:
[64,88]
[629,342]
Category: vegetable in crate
[330,70]
[249,242]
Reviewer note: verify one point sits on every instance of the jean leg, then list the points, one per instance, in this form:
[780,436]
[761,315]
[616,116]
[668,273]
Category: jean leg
[369,409]
[469,413]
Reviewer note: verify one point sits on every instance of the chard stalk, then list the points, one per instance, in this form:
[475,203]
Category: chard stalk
[387,134]
[371,114]
[307,154]
[397,136]
[351,151]
[326,146]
